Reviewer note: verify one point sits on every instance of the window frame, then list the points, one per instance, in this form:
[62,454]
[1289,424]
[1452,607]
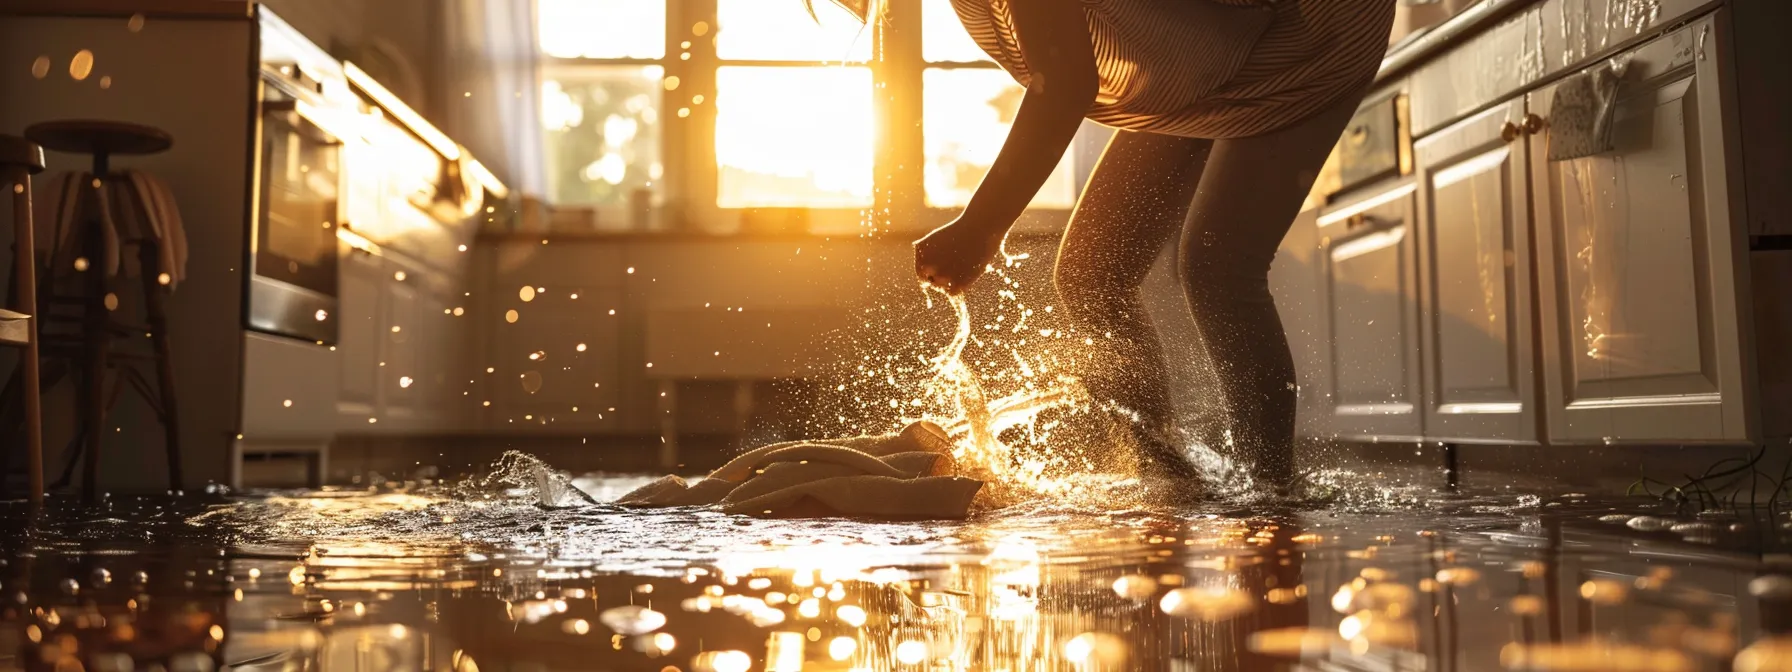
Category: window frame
[686,200]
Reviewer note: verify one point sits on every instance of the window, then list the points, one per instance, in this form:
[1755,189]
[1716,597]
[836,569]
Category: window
[600,103]
[602,128]
[791,129]
[725,106]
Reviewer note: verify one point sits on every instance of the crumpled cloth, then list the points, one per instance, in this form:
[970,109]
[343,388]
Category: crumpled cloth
[904,476]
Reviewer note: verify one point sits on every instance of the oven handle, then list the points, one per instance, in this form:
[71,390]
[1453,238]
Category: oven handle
[277,106]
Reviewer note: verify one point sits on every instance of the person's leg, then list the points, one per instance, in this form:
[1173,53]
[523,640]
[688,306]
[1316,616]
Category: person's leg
[1248,198]
[1137,198]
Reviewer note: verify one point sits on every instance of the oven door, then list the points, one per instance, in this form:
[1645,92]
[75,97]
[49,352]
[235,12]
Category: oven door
[293,288]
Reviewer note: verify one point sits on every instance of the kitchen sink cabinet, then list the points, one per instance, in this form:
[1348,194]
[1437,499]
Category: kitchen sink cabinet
[1475,286]
[403,368]
[1368,280]
[1637,267]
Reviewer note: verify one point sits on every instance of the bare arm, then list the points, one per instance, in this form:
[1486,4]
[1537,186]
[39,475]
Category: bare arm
[1054,41]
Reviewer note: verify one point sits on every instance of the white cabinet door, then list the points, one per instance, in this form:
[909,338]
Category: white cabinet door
[359,346]
[555,369]
[1294,281]
[400,341]
[1475,281]
[1637,262]
[1369,283]
[437,371]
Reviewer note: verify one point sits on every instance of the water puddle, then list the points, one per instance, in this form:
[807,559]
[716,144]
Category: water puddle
[480,575]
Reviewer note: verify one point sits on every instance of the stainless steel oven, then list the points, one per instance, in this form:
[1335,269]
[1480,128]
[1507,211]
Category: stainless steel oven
[293,284]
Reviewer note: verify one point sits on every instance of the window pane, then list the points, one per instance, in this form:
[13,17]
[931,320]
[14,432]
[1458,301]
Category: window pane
[965,116]
[943,37]
[781,30]
[601,128]
[793,137]
[602,28]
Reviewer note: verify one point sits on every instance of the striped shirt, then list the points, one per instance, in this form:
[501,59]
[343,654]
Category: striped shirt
[1165,68]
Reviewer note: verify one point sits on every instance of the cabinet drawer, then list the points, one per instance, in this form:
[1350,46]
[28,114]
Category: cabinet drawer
[1369,281]
[1376,144]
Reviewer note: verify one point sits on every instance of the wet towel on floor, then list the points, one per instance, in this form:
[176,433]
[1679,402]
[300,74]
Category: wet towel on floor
[908,475]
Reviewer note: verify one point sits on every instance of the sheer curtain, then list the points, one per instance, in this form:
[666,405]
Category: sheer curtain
[492,73]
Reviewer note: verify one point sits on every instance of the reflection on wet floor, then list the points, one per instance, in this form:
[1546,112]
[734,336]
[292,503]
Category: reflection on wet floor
[410,577]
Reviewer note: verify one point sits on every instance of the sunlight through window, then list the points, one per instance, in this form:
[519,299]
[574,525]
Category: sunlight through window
[781,30]
[602,28]
[944,39]
[793,103]
[965,119]
[602,127]
[793,137]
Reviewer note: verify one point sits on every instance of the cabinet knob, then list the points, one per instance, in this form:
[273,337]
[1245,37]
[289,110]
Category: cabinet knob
[1533,124]
[1510,131]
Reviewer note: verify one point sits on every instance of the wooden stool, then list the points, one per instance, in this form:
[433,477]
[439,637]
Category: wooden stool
[103,140]
[19,160]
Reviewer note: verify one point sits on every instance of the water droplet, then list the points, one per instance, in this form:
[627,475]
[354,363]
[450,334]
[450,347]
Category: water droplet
[1135,587]
[1771,587]
[1207,604]
[632,619]
[81,65]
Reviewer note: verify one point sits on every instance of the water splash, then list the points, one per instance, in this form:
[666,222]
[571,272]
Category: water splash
[524,476]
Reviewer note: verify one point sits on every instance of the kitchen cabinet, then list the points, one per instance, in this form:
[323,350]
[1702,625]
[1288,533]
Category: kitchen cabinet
[1294,282]
[1368,280]
[1638,261]
[358,348]
[401,355]
[551,319]
[1475,281]
[399,341]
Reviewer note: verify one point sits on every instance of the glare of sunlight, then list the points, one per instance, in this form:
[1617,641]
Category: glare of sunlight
[784,31]
[602,28]
[944,39]
[793,137]
[965,118]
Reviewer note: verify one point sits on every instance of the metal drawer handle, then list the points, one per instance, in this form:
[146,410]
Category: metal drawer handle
[1510,131]
[1360,220]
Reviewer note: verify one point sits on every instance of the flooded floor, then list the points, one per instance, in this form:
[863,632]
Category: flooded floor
[419,577]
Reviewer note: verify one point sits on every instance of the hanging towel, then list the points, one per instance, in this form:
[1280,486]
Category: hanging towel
[1582,113]
[77,196]
[133,206]
[157,218]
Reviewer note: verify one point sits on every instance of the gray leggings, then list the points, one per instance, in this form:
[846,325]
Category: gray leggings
[1233,201]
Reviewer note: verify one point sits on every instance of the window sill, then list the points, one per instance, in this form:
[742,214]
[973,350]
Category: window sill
[579,223]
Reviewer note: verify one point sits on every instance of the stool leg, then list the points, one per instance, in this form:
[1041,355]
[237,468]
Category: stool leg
[24,266]
[94,338]
[153,294]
